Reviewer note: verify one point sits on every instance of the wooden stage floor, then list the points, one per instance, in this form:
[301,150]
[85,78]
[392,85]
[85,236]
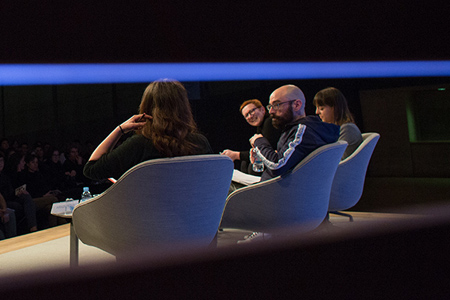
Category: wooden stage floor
[48,249]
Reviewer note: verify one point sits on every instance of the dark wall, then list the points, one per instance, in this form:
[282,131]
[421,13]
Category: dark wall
[61,114]
[385,111]
[166,30]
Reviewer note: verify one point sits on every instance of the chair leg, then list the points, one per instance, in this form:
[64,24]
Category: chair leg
[73,247]
[342,214]
[213,243]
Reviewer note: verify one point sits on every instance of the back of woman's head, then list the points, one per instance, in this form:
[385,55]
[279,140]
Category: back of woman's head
[166,101]
[334,98]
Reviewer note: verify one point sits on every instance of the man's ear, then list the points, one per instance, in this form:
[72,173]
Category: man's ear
[298,104]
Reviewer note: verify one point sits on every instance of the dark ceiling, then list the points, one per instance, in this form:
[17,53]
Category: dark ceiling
[186,31]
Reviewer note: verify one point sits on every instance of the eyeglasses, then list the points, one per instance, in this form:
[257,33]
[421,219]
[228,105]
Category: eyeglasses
[250,112]
[276,106]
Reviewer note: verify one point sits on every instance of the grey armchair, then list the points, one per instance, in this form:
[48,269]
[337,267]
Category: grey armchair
[157,204]
[299,198]
[348,183]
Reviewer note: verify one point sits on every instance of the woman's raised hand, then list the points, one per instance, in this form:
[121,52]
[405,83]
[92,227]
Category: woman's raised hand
[134,123]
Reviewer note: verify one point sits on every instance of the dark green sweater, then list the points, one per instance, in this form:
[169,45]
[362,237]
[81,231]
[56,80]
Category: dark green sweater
[133,151]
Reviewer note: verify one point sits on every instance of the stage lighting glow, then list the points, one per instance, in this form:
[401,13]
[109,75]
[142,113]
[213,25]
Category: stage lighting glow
[42,74]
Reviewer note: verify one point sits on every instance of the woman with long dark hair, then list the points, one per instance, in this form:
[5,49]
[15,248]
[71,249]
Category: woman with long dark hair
[164,127]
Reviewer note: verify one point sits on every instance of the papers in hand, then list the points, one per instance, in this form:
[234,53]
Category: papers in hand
[64,208]
[20,189]
[243,178]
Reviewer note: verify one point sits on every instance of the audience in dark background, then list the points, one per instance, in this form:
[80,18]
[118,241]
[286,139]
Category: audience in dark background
[20,201]
[33,178]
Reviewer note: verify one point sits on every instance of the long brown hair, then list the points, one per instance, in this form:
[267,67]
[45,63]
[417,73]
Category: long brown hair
[334,98]
[172,121]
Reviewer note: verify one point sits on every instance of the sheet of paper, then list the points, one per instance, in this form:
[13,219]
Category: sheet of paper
[244,178]
[64,208]
[20,189]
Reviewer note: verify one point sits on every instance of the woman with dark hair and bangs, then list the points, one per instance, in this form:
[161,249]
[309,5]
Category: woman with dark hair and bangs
[331,106]
[164,127]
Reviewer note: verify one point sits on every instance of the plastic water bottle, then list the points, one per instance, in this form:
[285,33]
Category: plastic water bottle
[86,194]
[258,165]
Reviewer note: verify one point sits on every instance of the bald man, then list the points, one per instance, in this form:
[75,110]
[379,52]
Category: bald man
[300,135]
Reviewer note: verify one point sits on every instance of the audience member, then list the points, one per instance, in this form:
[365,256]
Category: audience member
[7,221]
[47,151]
[14,165]
[4,146]
[38,151]
[14,145]
[39,189]
[23,148]
[20,201]
[255,115]
[73,166]
[55,175]
[331,106]
[164,127]
[37,185]
[89,147]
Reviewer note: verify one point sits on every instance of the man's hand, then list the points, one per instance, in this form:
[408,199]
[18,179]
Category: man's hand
[234,155]
[253,138]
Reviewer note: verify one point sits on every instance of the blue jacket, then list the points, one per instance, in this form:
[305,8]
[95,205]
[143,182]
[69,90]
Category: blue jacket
[297,140]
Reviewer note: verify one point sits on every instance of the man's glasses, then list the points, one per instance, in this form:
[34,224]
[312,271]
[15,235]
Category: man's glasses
[276,106]
[250,112]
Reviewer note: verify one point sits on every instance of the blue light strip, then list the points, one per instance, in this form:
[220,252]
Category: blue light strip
[41,74]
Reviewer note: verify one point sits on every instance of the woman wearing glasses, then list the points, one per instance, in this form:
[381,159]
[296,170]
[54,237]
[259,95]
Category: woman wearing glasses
[255,114]
[331,106]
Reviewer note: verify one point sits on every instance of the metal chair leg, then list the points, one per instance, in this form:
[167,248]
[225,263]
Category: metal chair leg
[342,214]
[73,247]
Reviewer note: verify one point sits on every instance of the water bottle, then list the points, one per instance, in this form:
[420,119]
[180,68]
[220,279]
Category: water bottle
[86,194]
[68,208]
[258,165]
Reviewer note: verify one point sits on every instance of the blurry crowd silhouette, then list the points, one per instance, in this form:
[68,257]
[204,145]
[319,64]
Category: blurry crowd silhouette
[32,178]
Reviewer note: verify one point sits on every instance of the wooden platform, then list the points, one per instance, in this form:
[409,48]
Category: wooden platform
[49,248]
[34,238]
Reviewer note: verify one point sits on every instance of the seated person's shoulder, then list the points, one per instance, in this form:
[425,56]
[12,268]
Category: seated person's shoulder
[350,130]
[351,134]
[351,127]
[202,142]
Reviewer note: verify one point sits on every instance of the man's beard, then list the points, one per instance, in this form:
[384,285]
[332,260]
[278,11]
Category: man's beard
[280,121]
